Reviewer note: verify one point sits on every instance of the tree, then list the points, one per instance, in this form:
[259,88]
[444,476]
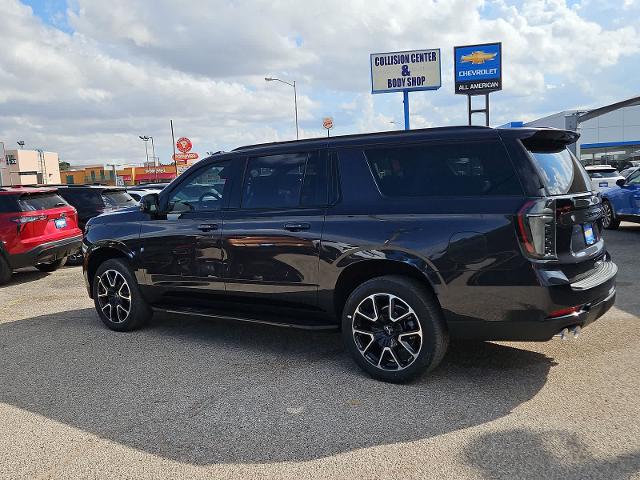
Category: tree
[64,165]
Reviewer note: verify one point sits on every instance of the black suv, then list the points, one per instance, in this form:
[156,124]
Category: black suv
[91,201]
[401,239]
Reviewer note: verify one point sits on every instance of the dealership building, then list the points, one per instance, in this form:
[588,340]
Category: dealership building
[608,134]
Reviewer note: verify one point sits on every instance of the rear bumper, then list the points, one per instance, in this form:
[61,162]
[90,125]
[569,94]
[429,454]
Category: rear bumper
[46,252]
[595,295]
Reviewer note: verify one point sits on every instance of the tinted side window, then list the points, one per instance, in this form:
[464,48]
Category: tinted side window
[82,199]
[8,204]
[203,192]
[476,168]
[285,181]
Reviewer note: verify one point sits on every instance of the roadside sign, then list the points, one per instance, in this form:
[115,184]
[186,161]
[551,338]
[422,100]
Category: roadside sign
[181,169]
[327,123]
[478,68]
[183,157]
[405,71]
[184,144]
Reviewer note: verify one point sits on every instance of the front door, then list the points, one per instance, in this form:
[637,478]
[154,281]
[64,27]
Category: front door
[272,241]
[181,250]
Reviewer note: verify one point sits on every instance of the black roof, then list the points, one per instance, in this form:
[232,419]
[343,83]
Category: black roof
[454,132]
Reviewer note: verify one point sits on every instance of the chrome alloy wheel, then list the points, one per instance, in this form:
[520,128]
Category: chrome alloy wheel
[608,215]
[386,331]
[114,296]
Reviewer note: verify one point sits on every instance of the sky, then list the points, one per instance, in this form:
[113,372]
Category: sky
[85,78]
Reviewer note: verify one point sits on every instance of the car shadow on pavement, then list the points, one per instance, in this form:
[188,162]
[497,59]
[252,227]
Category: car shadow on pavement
[26,276]
[623,246]
[518,453]
[205,392]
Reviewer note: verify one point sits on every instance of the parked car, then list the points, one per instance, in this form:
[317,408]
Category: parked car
[37,228]
[401,239]
[628,171]
[622,202]
[603,176]
[93,200]
[139,193]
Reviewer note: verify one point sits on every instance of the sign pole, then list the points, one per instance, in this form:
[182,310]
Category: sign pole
[173,143]
[405,100]
[486,99]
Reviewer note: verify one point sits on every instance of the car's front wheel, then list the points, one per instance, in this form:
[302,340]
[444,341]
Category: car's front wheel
[609,221]
[394,329]
[117,297]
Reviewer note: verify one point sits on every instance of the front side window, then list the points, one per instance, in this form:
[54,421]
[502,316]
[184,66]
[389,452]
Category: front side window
[285,181]
[202,192]
[471,169]
[117,198]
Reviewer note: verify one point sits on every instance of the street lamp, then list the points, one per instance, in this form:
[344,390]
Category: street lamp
[145,139]
[295,97]
[21,144]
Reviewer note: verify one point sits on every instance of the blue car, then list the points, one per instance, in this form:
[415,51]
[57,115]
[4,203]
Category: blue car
[622,202]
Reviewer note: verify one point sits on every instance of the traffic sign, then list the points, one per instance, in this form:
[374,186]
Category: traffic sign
[327,123]
[184,144]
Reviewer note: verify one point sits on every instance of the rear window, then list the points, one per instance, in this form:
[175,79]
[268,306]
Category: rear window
[40,201]
[117,198]
[561,172]
[461,169]
[603,173]
[8,203]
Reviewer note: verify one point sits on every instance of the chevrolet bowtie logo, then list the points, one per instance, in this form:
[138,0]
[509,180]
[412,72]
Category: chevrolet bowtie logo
[478,57]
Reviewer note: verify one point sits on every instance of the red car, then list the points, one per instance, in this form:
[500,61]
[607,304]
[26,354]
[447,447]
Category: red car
[37,228]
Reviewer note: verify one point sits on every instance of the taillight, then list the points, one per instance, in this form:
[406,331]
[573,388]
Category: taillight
[565,311]
[537,229]
[28,219]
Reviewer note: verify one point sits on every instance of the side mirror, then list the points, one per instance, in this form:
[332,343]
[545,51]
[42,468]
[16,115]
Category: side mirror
[621,182]
[150,203]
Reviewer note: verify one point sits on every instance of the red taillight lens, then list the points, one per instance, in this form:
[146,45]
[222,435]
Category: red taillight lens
[565,311]
[537,229]
[28,219]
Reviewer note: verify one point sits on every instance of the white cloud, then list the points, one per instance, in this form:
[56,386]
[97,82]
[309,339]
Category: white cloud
[130,66]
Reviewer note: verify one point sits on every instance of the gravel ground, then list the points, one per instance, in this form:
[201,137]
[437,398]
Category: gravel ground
[201,399]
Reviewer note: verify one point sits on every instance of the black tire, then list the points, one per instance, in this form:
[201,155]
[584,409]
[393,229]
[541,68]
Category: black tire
[609,220]
[5,270]
[52,266]
[75,259]
[415,308]
[108,289]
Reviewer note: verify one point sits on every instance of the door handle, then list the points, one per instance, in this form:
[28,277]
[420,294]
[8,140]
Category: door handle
[297,227]
[207,227]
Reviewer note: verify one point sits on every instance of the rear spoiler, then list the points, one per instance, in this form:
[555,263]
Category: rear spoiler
[544,140]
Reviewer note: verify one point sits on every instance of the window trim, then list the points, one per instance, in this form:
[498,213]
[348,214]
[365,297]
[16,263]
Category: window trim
[440,142]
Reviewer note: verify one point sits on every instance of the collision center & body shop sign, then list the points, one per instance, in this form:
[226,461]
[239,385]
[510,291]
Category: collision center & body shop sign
[405,71]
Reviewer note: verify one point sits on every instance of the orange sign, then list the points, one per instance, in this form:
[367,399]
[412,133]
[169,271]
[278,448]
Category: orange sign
[183,157]
[327,123]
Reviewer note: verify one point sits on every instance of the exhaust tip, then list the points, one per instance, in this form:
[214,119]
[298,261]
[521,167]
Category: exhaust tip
[569,332]
[562,334]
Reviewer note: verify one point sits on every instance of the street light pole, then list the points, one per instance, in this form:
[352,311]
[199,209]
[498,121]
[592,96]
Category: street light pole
[155,163]
[295,98]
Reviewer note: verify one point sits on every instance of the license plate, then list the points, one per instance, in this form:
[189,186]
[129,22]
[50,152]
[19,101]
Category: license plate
[603,184]
[589,236]
[60,222]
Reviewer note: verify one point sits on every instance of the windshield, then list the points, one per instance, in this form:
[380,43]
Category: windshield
[561,172]
[117,198]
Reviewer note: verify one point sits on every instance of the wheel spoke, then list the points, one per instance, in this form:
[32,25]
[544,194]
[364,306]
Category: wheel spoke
[395,359]
[375,309]
[110,310]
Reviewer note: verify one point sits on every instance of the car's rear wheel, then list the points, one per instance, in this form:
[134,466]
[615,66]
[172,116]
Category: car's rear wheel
[51,266]
[609,221]
[394,329]
[5,271]
[75,259]
[117,297]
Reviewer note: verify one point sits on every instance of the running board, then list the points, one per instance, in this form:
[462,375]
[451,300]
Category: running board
[282,322]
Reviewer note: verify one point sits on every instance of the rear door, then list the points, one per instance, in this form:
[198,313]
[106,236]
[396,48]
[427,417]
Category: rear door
[272,239]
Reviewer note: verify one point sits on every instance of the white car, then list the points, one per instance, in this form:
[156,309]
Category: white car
[139,193]
[603,176]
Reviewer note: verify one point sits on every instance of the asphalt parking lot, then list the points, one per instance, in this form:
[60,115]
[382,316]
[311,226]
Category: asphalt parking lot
[189,398]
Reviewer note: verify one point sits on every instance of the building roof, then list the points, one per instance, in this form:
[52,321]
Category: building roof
[596,112]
